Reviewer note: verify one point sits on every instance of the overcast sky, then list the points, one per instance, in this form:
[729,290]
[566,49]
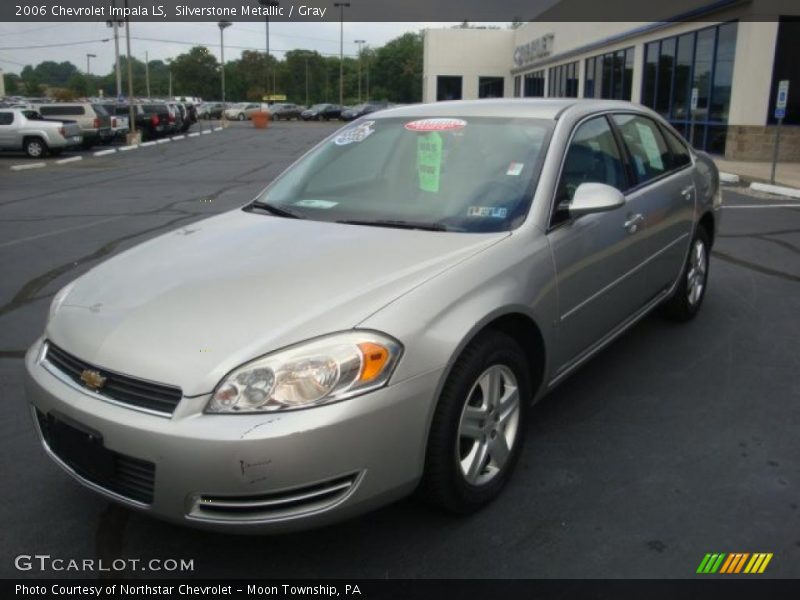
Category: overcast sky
[180,37]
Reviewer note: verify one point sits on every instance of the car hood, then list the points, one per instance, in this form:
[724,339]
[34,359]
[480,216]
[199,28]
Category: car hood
[187,307]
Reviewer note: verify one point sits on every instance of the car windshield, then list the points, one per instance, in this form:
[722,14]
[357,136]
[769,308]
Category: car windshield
[475,174]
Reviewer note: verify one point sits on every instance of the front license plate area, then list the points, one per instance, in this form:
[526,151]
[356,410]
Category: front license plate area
[81,448]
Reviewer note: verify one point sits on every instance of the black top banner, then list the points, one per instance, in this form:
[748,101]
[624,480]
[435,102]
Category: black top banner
[390,10]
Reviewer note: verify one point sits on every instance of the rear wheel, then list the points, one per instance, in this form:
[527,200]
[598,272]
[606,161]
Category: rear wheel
[478,427]
[35,147]
[685,303]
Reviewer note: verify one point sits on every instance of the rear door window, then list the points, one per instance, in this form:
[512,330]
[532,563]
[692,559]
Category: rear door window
[650,156]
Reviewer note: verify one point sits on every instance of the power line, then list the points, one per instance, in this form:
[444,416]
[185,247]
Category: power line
[54,45]
[194,43]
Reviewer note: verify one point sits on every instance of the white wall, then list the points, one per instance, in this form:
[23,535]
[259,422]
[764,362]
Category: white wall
[752,73]
[471,53]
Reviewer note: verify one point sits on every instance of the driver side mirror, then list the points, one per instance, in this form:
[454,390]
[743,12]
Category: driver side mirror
[594,198]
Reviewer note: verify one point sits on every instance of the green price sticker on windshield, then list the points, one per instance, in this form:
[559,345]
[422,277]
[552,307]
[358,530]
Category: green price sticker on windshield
[429,161]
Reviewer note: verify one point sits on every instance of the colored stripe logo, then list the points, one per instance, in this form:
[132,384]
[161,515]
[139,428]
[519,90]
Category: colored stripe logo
[733,563]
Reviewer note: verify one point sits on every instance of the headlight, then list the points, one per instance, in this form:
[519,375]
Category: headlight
[58,300]
[324,370]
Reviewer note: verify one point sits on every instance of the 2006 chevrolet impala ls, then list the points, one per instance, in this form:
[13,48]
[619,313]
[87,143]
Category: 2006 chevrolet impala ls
[379,319]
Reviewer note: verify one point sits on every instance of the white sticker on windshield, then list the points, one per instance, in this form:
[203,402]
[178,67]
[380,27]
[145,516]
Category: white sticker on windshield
[312,203]
[494,212]
[355,134]
[515,169]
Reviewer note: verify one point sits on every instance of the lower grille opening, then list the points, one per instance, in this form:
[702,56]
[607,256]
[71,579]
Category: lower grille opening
[278,505]
[83,452]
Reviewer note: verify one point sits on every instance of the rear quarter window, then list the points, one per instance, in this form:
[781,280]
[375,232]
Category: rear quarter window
[6,118]
[65,110]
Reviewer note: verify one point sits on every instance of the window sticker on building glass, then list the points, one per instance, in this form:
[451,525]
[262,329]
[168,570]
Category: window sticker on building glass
[429,161]
[650,146]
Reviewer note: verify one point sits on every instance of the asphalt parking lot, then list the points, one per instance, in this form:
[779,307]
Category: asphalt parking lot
[674,442]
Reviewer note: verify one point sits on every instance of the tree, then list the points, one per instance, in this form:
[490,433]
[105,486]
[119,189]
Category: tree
[397,70]
[13,84]
[196,73]
[79,85]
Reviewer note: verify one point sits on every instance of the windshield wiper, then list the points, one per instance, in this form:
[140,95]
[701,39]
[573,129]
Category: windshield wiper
[398,224]
[278,211]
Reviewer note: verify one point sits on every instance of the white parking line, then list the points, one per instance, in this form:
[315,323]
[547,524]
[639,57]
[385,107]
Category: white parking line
[105,152]
[146,144]
[194,134]
[64,161]
[177,137]
[205,131]
[217,128]
[127,148]
[164,141]
[38,165]
[795,205]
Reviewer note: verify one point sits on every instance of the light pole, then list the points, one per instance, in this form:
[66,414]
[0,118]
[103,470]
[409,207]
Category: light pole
[88,65]
[341,6]
[223,25]
[359,42]
[268,4]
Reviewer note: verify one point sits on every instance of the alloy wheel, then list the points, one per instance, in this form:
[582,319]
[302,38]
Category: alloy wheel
[696,275]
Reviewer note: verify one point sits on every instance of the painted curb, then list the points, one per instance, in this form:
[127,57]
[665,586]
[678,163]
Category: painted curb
[729,177]
[778,190]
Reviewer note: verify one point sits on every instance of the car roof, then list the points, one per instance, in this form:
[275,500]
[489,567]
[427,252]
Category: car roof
[532,108]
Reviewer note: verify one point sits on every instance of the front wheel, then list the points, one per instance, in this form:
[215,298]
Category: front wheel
[479,424]
[685,303]
[240,117]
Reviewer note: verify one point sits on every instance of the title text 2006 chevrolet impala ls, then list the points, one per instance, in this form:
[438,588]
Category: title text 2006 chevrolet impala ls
[379,319]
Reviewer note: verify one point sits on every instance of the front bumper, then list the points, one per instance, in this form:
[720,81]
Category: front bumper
[254,473]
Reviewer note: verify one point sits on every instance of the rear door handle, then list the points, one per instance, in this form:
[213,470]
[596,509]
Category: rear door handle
[633,222]
[687,192]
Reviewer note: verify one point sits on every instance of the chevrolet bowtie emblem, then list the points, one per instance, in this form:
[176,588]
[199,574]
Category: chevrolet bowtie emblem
[92,379]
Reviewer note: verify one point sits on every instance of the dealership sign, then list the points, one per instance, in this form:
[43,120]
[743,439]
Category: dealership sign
[533,50]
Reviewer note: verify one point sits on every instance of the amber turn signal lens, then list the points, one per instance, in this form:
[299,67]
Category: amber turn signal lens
[375,358]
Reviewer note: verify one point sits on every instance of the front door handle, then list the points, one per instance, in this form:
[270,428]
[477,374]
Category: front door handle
[633,222]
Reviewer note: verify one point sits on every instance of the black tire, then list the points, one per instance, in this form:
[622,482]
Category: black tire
[444,481]
[685,302]
[35,147]
[241,117]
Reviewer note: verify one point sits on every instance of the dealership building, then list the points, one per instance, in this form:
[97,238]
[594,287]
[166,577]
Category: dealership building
[715,78]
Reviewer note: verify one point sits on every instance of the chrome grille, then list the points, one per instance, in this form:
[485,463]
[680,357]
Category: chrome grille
[121,388]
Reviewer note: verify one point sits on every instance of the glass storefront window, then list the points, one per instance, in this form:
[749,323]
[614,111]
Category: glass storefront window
[448,87]
[517,86]
[490,87]
[609,75]
[563,81]
[701,59]
[534,84]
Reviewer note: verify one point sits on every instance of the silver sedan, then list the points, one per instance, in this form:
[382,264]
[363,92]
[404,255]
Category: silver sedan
[379,319]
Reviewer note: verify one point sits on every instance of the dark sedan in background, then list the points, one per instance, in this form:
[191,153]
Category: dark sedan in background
[359,110]
[322,112]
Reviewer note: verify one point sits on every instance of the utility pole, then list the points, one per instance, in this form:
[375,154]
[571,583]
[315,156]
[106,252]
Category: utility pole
[115,24]
[307,105]
[367,78]
[269,4]
[133,138]
[222,26]
[341,6]
[169,66]
[359,42]
[147,72]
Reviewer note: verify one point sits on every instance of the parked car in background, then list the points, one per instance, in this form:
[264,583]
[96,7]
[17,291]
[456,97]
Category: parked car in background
[27,130]
[152,118]
[175,120]
[94,121]
[190,118]
[322,112]
[473,255]
[243,111]
[210,110]
[285,111]
[360,110]
[120,121]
